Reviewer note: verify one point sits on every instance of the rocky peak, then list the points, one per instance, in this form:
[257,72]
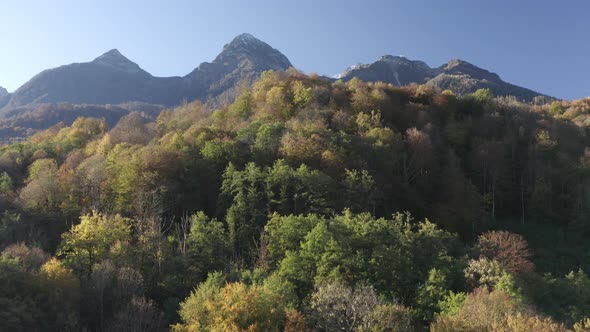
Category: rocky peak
[246,40]
[398,70]
[246,46]
[461,67]
[403,61]
[114,59]
[3,92]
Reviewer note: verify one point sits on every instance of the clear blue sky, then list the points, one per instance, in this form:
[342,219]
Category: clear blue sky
[543,45]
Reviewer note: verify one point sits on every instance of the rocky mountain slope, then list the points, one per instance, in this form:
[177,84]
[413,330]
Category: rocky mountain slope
[4,96]
[457,75]
[112,78]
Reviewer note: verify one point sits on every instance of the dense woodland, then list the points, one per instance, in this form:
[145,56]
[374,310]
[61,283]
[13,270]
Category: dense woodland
[306,205]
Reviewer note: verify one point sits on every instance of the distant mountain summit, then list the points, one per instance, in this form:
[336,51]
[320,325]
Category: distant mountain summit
[246,47]
[462,77]
[113,79]
[241,60]
[457,75]
[3,92]
[109,79]
[114,60]
[391,69]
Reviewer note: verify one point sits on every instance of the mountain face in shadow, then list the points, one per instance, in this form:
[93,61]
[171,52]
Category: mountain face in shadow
[113,79]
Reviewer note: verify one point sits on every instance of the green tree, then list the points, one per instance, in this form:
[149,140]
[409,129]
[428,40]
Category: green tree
[95,238]
[232,307]
[42,190]
[207,245]
[6,183]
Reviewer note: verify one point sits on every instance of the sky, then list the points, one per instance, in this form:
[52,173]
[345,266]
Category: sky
[542,45]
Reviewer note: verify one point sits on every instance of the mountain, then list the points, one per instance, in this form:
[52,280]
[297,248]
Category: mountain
[391,69]
[4,96]
[113,79]
[109,79]
[463,78]
[457,75]
[241,60]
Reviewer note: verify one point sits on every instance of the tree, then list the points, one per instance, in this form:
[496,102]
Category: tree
[139,315]
[483,96]
[131,129]
[95,238]
[337,307]
[432,293]
[267,141]
[19,310]
[92,175]
[233,307]
[107,291]
[353,248]
[479,312]
[208,246]
[494,311]
[6,183]
[285,233]
[247,214]
[483,272]
[63,290]
[302,95]
[42,189]
[556,108]
[459,207]
[31,258]
[419,155]
[523,323]
[509,249]
[360,191]
[12,228]
[123,173]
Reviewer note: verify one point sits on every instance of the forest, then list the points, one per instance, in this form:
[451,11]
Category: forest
[305,205]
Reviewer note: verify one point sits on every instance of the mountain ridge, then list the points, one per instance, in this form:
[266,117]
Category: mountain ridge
[112,78]
[457,75]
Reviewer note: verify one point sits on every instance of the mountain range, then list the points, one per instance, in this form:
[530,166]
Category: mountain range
[113,79]
[457,75]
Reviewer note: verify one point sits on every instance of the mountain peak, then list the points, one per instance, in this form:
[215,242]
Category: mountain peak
[110,55]
[388,68]
[389,57]
[3,92]
[462,67]
[246,40]
[116,60]
[456,63]
[246,46]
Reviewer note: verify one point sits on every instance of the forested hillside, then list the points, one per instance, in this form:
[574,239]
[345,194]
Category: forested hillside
[17,124]
[306,205]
